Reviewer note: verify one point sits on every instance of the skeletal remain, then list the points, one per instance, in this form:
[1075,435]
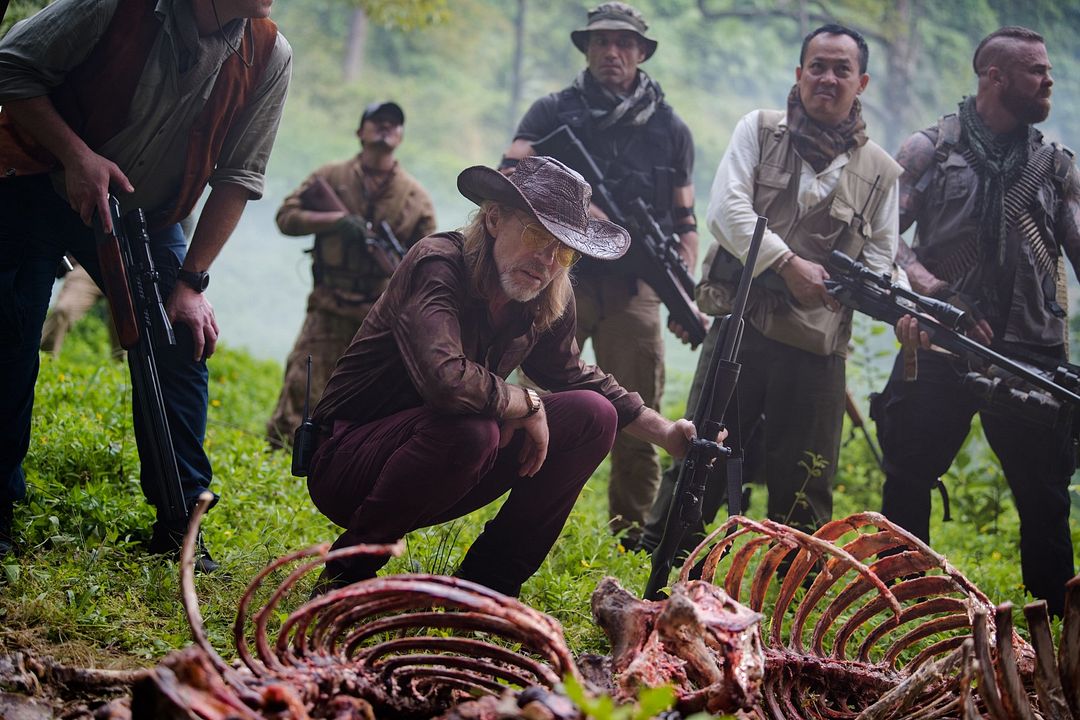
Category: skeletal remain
[858,621]
[397,646]
[869,622]
[698,640]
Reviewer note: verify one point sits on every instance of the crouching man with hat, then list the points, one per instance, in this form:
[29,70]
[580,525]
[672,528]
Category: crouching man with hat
[419,425]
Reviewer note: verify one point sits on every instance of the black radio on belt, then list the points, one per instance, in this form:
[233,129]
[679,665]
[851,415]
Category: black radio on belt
[304,439]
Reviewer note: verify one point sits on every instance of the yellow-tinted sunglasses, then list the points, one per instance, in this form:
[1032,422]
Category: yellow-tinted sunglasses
[536,237]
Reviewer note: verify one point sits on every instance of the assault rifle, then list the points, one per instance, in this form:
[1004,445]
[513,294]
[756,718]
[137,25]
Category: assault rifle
[142,325]
[386,250]
[652,253]
[704,453]
[1039,389]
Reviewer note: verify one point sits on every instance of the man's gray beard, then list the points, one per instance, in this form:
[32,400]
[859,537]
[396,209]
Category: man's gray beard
[515,290]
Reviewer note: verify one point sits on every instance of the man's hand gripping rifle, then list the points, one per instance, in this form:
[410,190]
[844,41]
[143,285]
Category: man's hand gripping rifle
[1039,390]
[700,461]
[131,284]
[385,249]
[653,254]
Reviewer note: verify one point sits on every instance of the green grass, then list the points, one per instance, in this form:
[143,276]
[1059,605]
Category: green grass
[83,590]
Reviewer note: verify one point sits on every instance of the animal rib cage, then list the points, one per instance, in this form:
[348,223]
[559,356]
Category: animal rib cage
[858,621]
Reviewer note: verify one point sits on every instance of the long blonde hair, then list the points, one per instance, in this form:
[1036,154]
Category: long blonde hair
[484,274]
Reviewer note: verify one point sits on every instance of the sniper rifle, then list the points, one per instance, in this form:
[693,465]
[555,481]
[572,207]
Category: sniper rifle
[1039,389]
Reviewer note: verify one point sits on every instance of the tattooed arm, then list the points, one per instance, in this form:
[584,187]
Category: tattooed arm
[916,156]
[1068,220]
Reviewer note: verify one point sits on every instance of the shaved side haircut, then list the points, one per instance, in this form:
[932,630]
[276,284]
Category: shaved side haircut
[995,48]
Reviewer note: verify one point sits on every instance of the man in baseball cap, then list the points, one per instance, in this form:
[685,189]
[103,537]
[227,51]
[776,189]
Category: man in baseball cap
[418,424]
[390,111]
[349,206]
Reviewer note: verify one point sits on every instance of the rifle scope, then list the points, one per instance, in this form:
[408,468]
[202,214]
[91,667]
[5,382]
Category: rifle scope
[945,313]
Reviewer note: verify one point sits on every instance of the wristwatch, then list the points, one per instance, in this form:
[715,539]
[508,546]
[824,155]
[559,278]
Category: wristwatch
[197,281]
[533,400]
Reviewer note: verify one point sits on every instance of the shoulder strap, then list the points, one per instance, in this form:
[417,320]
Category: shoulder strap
[947,137]
[1063,163]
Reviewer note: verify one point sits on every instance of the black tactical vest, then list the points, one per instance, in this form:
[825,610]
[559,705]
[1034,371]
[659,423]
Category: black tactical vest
[636,161]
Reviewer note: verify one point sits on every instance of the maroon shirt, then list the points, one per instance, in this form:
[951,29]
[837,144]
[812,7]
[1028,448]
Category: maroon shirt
[430,341]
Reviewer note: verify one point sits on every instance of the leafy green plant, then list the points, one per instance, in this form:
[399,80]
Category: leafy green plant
[650,703]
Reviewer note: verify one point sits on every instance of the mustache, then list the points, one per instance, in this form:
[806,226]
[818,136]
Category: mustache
[536,269]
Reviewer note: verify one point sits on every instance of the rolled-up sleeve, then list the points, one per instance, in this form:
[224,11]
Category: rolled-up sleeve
[427,332]
[247,146]
[37,53]
[731,217]
[290,216]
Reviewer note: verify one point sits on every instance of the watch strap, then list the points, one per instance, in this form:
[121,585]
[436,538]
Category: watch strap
[197,281]
[534,401]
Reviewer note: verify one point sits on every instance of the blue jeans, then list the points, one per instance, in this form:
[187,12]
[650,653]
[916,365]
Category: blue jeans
[36,228]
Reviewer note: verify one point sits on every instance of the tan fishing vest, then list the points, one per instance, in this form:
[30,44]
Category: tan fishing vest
[841,221]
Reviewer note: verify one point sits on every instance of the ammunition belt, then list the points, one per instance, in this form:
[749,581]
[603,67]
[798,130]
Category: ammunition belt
[1017,215]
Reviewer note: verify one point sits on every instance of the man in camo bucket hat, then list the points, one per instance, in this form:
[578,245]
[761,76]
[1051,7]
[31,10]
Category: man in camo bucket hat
[418,424]
[618,113]
[615,16]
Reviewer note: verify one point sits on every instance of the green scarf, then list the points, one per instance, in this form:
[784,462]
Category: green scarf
[999,161]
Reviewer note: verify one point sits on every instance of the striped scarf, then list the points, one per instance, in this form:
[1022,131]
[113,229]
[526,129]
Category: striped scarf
[608,109]
[818,144]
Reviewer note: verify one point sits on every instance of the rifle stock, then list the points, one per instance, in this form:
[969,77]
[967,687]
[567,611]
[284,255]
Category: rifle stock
[651,252]
[131,284]
[700,461]
[380,240]
[115,280]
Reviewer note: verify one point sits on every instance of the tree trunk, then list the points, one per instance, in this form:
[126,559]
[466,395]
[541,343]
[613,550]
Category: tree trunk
[900,57]
[515,71]
[353,64]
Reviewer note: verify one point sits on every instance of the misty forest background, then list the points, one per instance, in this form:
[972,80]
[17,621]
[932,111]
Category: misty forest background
[465,71]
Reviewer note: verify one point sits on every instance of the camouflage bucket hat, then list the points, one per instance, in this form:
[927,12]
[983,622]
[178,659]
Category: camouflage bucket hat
[556,196]
[614,16]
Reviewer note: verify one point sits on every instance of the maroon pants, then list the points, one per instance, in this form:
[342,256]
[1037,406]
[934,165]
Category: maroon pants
[419,468]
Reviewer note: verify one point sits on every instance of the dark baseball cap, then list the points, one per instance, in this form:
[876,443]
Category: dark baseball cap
[383,108]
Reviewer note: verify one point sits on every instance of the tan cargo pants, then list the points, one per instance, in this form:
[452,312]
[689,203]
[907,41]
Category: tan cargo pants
[625,330]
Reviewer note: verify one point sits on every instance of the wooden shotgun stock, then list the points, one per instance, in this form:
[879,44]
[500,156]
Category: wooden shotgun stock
[117,289]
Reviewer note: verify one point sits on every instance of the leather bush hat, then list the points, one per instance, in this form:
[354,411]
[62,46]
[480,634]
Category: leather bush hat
[614,16]
[556,196]
[383,108]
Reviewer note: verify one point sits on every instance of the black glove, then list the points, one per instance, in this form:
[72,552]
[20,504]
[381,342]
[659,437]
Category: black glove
[352,227]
